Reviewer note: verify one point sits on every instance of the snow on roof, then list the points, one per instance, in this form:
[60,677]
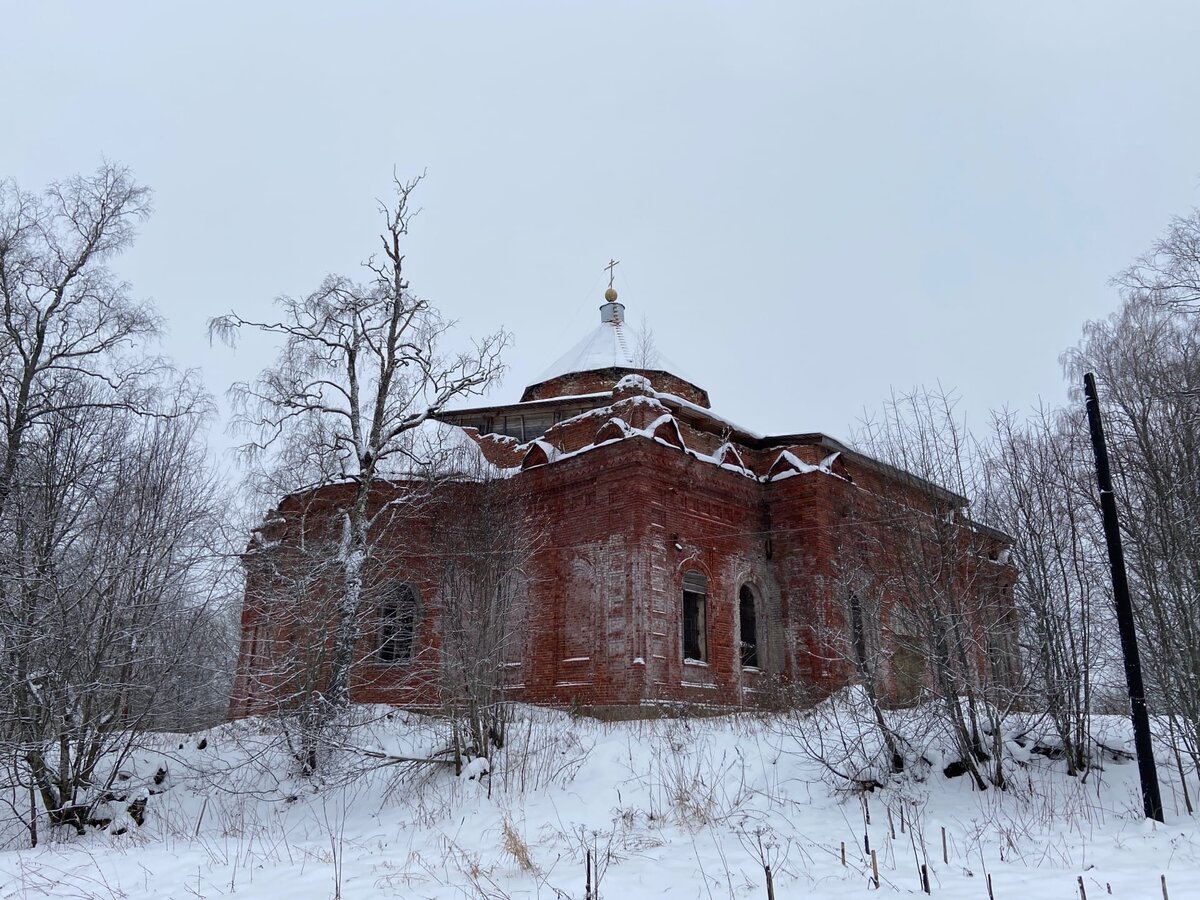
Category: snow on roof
[676,400]
[610,345]
[634,382]
[438,448]
[548,452]
[788,464]
[616,429]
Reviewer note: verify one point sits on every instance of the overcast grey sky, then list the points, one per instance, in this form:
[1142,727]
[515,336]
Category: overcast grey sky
[812,203]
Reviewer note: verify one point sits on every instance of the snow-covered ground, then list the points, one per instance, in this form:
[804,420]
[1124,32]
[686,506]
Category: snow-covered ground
[672,807]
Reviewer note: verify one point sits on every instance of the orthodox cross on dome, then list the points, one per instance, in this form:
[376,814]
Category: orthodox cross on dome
[611,294]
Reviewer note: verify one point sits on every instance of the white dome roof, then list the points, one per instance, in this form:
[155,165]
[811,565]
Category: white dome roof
[611,345]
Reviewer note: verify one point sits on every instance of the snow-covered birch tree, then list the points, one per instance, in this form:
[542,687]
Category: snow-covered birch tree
[360,368]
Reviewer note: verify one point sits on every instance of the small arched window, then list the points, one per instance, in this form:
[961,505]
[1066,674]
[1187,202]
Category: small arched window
[748,625]
[397,625]
[695,631]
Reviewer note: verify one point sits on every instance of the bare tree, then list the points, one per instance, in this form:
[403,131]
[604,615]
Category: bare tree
[109,526]
[1147,362]
[941,570]
[864,603]
[360,369]
[645,348]
[293,571]
[481,599]
[1169,274]
[67,317]
[112,577]
[851,634]
[921,613]
[1040,493]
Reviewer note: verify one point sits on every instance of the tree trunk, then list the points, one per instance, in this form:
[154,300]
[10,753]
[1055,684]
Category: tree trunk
[346,628]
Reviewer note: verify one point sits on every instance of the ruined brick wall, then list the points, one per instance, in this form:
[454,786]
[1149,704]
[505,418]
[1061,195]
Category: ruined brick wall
[870,547]
[618,527]
[580,383]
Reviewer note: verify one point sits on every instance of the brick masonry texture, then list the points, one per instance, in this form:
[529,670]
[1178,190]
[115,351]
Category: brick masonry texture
[622,516]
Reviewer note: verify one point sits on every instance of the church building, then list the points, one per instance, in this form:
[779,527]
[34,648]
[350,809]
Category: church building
[684,559]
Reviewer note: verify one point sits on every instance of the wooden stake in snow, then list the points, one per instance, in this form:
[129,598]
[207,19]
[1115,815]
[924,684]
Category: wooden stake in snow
[875,869]
[1163,878]
[200,818]
[945,852]
[922,873]
[843,853]
[1187,796]
[991,896]
[1082,889]
[891,827]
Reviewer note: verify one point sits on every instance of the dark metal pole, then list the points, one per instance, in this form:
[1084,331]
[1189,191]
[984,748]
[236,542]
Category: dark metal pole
[1151,800]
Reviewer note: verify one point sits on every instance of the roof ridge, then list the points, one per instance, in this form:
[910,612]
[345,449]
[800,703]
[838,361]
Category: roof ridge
[620,326]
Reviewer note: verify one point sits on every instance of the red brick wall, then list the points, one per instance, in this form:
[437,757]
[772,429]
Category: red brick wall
[620,525]
[578,383]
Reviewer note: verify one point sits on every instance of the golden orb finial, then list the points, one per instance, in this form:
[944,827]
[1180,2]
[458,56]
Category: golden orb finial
[610,295]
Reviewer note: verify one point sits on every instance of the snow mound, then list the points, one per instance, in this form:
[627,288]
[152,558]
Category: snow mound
[673,807]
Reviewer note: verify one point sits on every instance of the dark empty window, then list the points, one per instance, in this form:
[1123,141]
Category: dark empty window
[397,625]
[748,621]
[908,656]
[509,425]
[695,592]
[535,426]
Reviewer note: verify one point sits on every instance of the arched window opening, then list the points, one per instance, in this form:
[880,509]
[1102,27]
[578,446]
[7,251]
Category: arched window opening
[397,625]
[695,632]
[748,622]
